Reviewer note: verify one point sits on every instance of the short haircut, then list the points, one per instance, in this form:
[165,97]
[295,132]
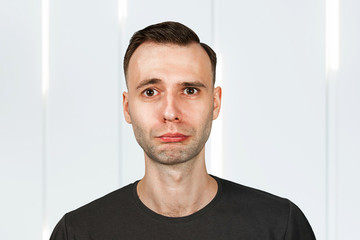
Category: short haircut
[167,33]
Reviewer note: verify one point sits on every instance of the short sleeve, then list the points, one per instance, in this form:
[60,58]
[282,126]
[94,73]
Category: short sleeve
[60,232]
[298,227]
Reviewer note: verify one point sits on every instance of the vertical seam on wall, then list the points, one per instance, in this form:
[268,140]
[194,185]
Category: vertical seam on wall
[45,75]
[331,63]
[122,14]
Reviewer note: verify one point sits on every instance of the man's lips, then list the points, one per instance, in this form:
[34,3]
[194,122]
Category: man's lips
[173,137]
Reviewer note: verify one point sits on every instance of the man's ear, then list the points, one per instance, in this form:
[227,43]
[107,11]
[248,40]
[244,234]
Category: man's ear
[126,107]
[217,102]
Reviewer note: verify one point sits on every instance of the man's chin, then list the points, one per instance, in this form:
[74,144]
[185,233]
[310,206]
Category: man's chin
[171,157]
[170,160]
[173,154]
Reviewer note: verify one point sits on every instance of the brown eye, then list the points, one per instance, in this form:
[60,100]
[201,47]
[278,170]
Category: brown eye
[190,91]
[150,92]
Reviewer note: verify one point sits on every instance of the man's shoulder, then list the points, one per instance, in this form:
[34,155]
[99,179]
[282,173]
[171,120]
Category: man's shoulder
[116,201]
[98,218]
[252,199]
[262,212]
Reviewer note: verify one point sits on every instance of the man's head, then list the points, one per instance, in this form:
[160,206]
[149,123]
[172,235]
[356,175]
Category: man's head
[167,33]
[171,100]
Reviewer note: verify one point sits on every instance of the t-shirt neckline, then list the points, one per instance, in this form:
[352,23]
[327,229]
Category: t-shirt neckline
[188,218]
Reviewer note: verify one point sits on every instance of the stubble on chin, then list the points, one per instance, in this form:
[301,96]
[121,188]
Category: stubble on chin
[171,154]
[171,157]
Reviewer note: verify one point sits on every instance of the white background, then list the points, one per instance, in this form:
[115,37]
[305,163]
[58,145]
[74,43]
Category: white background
[64,148]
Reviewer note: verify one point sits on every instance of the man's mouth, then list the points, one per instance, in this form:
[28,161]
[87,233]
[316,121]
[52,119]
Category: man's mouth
[173,137]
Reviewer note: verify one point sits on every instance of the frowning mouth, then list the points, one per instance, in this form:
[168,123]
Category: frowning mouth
[173,137]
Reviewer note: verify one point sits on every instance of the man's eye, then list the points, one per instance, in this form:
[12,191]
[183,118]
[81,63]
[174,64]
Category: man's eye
[150,92]
[190,91]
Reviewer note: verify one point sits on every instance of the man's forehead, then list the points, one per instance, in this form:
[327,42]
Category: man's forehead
[146,49]
[158,58]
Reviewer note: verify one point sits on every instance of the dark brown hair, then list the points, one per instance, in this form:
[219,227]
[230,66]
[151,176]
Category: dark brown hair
[167,32]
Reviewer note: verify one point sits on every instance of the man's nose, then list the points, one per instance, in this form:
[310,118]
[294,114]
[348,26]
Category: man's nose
[171,109]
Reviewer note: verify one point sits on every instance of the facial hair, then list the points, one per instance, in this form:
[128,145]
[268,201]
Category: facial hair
[173,153]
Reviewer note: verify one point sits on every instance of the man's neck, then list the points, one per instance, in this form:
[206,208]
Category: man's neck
[177,191]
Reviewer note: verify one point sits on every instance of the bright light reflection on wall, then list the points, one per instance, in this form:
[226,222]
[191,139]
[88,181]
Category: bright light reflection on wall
[45,46]
[45,73]
[332,45]
[217,140]
[332,35]
[46,233]
[122,11]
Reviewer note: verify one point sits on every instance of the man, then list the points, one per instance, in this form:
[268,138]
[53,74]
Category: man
[171,103]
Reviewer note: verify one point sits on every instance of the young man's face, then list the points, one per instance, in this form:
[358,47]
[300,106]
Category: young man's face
[171,101]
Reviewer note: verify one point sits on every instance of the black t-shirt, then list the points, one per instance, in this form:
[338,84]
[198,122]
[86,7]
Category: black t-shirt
[236,212]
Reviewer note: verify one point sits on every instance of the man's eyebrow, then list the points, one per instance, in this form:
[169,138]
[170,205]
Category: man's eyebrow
[148,82]
[193,84]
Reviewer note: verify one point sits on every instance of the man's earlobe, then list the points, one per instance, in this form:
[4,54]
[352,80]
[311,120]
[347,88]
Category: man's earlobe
[217,102]
[126,107]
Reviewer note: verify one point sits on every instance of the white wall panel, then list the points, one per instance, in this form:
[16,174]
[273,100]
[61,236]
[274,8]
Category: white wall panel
[139,15]
[348,112]
[274,99]
[20,121]
[83,108]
